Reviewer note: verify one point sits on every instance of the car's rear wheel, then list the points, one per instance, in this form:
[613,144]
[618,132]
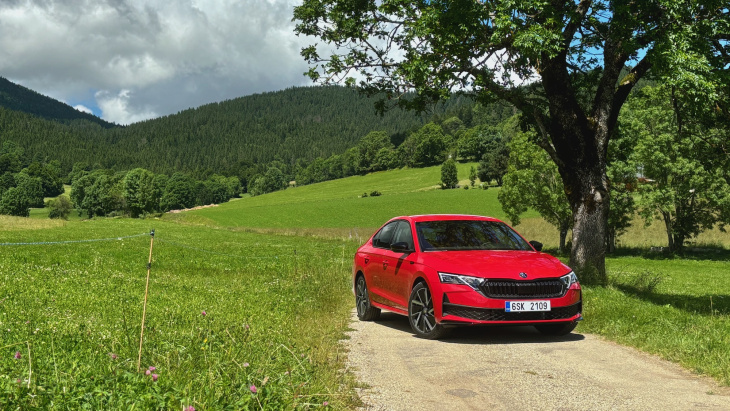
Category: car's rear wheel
[556,329]
[365,310]
[421,314]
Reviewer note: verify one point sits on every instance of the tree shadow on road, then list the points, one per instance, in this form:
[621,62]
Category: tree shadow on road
[482,334]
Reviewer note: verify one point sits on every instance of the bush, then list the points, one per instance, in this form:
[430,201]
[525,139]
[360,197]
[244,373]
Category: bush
[364,195]
[375,193]
[14,202]
[449,178]
[60,207]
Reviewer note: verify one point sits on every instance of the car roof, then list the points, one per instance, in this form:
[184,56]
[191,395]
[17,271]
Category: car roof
[446,217]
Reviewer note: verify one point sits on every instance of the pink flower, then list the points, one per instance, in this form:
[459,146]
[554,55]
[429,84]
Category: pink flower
[152,368]
[154,377]
[324,404]
[114,356]
[253,389]
[17,355]
[245,364]
[147,372]
[203,313]
[190,408]
[246,326]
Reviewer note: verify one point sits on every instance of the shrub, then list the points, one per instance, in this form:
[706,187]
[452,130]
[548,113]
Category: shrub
[449,177]
[375,193]
[60,207]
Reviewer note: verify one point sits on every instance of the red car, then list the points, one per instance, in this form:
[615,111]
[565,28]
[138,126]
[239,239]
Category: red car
[446,270]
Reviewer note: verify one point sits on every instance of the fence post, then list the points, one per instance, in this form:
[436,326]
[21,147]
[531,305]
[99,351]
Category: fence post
[144,306]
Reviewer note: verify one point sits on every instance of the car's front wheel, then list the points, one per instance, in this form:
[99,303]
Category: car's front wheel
[421,314]
[365,310]
[556,329]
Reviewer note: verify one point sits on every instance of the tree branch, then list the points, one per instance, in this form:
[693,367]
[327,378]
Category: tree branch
[575,22]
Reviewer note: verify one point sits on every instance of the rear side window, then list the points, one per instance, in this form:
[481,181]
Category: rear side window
[403,234]
[383,238]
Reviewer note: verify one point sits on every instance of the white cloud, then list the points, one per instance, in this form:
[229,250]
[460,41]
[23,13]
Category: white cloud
[116,108]
[82,108]
[167,55]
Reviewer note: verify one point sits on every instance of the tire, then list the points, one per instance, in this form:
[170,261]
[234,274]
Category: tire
[365,310]
[556,329]
[421,314]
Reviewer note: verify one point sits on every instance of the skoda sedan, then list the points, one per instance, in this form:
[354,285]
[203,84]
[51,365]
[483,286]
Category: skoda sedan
[450,270]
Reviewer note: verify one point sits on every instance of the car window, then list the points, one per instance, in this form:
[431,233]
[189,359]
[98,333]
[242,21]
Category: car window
[468,235]
[403,234]
[383,237]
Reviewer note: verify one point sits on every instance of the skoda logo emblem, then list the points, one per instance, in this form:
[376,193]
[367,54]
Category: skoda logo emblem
[523,275]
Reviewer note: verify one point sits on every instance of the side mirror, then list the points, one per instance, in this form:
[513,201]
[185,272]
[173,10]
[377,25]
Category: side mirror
[536,244]
[401,247]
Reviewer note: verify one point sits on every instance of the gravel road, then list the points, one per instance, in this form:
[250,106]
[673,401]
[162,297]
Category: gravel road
[516,369]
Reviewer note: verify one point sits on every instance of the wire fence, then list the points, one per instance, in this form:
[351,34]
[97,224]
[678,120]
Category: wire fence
[163,240]
[95,240]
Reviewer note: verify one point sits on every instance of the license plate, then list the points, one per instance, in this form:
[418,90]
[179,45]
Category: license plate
[525,306]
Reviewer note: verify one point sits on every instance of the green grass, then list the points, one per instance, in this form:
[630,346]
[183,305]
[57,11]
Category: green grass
[338,203]
[676,308]
[273,318]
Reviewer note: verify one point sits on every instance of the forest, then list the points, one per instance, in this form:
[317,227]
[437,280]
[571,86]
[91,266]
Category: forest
[664,165]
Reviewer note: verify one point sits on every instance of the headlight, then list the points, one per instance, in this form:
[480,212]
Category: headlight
[473,282]
[569,279]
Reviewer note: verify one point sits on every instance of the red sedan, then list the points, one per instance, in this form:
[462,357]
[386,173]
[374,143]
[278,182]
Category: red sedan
[445,270]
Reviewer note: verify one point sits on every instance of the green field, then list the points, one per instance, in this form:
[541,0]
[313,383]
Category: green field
[272,275]
[275,308]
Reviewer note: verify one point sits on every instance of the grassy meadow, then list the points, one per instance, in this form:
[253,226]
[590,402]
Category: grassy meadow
[271,273]
[275,307]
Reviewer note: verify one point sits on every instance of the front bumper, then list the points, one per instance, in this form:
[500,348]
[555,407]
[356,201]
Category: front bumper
[469,307]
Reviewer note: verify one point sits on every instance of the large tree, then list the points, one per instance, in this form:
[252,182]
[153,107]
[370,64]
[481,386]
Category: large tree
[567,65]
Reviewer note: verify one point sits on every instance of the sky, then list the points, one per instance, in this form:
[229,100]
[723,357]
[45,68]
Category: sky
[131,60]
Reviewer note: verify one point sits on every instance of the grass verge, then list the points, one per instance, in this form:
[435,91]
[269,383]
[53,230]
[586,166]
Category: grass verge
[676,308]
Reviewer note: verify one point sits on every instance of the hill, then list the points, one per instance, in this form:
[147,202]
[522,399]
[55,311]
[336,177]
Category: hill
[339,204]
[292,125]
[18,98]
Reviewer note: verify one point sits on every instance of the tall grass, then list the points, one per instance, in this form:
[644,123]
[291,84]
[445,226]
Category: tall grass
[228,311]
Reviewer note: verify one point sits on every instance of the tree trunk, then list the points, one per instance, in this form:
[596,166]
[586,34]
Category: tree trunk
[610,241]
[668,225]
[590,215]
[563,235]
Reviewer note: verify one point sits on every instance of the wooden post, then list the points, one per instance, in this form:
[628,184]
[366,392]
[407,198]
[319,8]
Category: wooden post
[144,307]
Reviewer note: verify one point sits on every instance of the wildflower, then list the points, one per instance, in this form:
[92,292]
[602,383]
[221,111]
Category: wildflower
[253,389]
[324,404]
[17,355]
[245,365]
[114,356]
[190,408]
[152,368]
[203,313]
[246,326]
[147,372]
[154,377]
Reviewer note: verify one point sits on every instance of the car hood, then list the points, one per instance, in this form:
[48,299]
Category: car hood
[496,264]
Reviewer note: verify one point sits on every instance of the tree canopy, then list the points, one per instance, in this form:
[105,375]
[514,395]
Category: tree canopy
[568,66]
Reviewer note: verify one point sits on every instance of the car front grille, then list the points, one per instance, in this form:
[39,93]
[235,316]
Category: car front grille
[523,289]
[488,314]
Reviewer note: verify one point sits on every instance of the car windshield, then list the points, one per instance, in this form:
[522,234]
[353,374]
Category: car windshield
[449,235]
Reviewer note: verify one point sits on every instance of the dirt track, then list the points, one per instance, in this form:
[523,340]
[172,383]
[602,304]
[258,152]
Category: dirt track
[516,369]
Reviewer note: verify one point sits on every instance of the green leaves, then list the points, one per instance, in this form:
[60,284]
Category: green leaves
[683,180]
